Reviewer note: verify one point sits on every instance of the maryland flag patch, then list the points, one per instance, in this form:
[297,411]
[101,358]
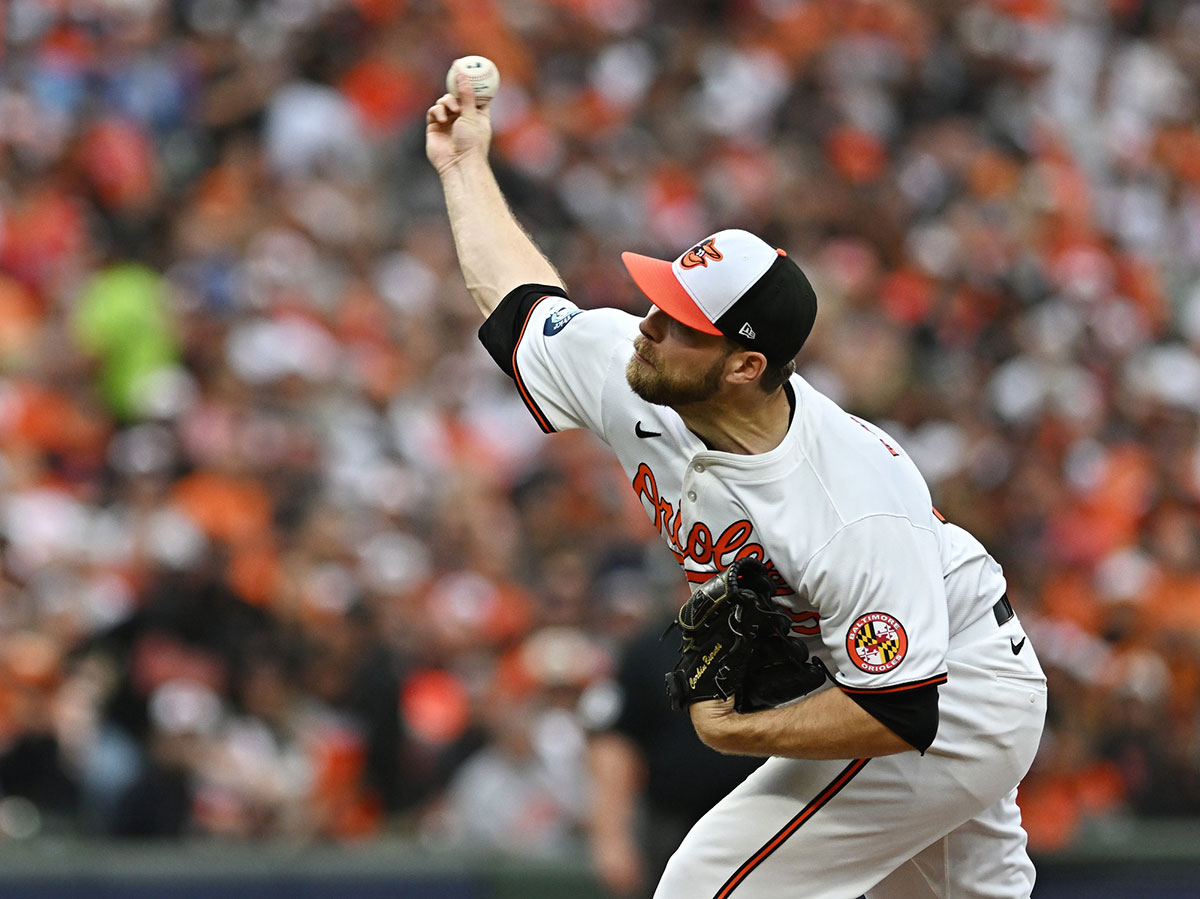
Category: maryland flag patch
[876,642]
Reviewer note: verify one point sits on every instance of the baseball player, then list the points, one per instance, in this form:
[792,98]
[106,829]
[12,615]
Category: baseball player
[898,778]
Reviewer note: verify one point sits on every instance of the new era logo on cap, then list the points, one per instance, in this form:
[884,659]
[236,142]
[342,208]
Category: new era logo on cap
[736,284]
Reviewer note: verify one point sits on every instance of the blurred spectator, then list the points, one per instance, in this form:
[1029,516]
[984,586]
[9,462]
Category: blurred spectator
[651,779]
[524,793]
[33,763]
[159,801]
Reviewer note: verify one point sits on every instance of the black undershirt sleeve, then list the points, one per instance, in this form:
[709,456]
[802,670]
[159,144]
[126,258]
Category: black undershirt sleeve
[501,332]
[911,714]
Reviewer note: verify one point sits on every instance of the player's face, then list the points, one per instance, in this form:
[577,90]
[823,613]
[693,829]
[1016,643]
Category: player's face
[674,365]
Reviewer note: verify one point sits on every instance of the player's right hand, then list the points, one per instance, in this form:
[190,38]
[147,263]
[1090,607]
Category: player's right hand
[455,128]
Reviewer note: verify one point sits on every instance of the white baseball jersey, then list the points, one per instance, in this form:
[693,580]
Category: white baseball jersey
[876,582]
[839,514]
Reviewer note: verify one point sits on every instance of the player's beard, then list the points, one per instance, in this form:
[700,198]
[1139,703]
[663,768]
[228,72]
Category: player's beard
[670,389]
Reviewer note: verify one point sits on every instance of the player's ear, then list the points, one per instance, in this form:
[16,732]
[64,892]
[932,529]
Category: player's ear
[745,366]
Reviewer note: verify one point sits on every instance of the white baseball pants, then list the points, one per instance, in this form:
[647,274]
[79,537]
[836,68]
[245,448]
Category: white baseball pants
[905,826]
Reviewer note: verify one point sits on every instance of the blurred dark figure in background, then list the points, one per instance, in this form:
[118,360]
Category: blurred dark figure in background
[652,779]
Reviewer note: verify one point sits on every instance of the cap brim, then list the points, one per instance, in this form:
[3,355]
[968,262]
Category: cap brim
[656,279]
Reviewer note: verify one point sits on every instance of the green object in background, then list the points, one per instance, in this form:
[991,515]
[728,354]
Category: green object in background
[121,320]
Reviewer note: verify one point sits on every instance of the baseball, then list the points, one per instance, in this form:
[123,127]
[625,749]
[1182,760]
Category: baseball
[484,76]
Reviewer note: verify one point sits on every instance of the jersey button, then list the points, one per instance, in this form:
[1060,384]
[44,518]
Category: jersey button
[692,495]
[698,467]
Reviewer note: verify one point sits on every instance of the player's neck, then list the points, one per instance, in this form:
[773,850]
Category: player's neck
[747,423]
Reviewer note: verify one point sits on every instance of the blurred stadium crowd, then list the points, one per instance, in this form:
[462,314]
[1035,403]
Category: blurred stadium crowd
[282,553]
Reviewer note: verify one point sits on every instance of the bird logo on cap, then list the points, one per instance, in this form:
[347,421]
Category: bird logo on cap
[701,254]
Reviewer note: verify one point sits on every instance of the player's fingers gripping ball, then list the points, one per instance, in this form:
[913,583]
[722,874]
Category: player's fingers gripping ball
[735,643]
[481,72]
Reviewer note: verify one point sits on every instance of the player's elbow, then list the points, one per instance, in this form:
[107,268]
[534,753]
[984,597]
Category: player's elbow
[908,719]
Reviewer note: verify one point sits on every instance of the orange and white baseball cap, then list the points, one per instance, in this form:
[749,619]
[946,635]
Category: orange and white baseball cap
[736,284]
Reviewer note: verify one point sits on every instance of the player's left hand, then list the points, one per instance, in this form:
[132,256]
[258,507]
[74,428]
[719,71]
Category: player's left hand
[713,719]
[736,643]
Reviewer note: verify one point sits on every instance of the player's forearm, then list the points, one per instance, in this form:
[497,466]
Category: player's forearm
[828,725]
[494,252]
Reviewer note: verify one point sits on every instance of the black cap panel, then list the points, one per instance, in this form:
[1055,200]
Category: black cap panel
[775,316]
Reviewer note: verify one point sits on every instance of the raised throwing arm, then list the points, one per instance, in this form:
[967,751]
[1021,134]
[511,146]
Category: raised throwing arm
[494,252]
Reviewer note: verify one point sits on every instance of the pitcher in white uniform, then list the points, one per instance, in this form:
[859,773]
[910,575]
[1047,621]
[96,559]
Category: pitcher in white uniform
[899,778]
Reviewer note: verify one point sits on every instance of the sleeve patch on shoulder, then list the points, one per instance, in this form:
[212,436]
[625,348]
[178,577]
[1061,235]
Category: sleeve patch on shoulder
[876,642]
[558,318]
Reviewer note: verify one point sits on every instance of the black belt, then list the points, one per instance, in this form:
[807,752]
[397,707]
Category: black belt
[1003,610]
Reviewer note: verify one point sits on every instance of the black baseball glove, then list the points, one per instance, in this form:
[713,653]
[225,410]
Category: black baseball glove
[736,643]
